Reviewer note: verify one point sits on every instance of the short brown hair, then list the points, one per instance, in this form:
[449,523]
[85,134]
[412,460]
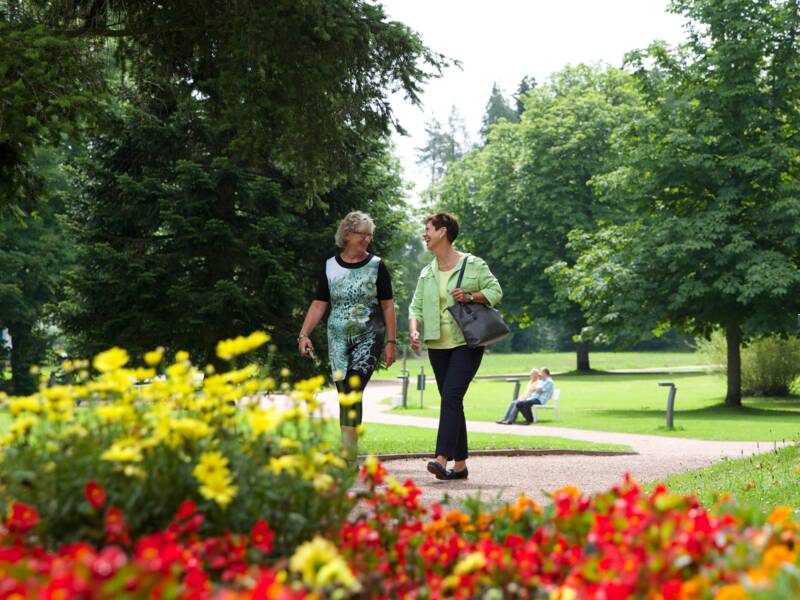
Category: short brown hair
[446,220]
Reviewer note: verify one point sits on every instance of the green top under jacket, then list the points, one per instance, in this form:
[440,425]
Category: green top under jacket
[425,304]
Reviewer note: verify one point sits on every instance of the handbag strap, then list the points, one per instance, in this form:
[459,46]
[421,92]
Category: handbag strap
[461,272]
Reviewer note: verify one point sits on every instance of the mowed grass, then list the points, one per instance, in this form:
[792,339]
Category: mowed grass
[500,364]
[767,480]
[636,404]
[395,439]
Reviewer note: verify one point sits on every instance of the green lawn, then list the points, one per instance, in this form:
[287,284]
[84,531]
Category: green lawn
[390,439]
[498,364]
[636,404]
[767,480]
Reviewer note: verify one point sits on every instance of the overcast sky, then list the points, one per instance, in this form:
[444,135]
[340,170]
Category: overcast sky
[503,40]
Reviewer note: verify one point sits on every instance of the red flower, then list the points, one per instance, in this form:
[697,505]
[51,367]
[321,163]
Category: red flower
[95,494]
[261,536]
[185,510]
[116,528]
[156,553]
[22,518]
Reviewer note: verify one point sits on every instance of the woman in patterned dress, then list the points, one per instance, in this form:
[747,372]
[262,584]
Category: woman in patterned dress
[358,288]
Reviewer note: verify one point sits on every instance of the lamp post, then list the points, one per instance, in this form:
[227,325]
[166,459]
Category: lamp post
[670,401]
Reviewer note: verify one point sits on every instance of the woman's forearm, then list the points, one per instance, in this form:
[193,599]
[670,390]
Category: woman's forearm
[313,316]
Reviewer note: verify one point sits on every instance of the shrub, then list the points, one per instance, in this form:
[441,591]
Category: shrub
[221,440]
[770,365]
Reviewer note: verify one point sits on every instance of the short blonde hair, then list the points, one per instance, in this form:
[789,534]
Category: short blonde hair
[353,222]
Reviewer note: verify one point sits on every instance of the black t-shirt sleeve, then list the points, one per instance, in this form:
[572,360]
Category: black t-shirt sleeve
[384,282]
[323,291]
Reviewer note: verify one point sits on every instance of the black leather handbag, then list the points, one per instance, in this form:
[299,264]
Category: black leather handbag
[480,324]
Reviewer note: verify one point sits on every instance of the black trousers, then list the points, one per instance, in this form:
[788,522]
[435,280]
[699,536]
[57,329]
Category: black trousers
[454,370]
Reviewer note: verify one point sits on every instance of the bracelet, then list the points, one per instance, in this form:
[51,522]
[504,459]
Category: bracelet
[301,336]
[391,342]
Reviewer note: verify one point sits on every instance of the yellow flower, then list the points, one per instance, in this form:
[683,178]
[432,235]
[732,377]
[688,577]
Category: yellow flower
[322,482]
[181,356]
[125,450]
[110,360]
[154,357]
[285,372]
[24,404]
[563,593]
[22,426]
[264,420]
[349,399]
[319,564]
[220,490]
[210,466]
[112,413]
[287,462]
[228,349]
[191,428]
[470,563]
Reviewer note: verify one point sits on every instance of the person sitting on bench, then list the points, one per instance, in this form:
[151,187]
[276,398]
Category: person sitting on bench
[539,391]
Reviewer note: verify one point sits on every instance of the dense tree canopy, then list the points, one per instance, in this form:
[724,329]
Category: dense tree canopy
[521,194]
[711,171]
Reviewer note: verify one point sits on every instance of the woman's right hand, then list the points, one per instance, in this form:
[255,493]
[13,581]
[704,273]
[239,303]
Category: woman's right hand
[305,347]
[413,337]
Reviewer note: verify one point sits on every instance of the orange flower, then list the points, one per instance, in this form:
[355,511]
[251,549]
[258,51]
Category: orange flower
[775,556]
[779,515]
[731,592]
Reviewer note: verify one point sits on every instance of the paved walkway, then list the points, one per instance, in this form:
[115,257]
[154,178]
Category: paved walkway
[505,477]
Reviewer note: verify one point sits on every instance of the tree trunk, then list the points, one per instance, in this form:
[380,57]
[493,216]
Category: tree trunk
[733,335]
[582,351]
[23,357]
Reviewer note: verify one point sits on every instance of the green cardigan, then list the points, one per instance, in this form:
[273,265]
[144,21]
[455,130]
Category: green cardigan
[425,304]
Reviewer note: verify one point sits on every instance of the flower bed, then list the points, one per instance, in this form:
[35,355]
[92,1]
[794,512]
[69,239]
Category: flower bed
[181,489]
[618,544]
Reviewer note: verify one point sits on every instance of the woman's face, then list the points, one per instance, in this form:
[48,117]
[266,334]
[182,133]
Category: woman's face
[534,375]
[434,237]
[359,240]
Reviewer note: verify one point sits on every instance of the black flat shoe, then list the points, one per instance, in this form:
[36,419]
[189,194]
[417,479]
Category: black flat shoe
[436,468]
[463,474]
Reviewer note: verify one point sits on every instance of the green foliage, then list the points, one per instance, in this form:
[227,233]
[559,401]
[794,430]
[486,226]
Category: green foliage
[48,89]
[496,108]
[766,481]
[34,252]
[711,173]
[445,146]
[302,84]
[770,364]
[182,240]
[521,194]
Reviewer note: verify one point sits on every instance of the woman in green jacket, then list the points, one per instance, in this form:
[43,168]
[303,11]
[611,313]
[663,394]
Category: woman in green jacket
[454,363]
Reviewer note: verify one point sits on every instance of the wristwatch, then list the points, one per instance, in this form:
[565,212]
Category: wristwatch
[301,336]
[470,296]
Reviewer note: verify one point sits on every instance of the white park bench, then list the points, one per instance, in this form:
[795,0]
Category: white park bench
[552,404]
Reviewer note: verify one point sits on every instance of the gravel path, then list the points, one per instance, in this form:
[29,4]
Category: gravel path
[505,477]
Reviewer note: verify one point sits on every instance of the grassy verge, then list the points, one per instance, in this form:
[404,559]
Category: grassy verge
[636,404]
[768,480]
[499,364]
[389,439]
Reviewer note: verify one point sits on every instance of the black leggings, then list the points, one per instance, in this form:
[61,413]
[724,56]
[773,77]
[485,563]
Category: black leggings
[454,369]
[350,416]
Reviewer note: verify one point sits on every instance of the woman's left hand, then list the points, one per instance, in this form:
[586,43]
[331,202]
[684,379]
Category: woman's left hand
[389,354]
[460,295]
